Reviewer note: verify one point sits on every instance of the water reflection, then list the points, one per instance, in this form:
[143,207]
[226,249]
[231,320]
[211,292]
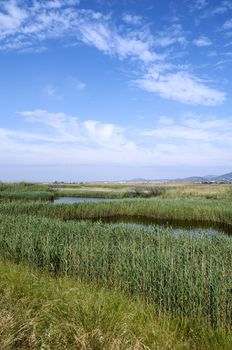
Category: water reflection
[71,200]
[195,228]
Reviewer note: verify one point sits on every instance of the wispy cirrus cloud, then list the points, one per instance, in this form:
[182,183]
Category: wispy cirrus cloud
[202,41]
[182,87]
[25,27]
[50,91]
[197,128]
[222,8]
[200,4]
[170,36]
[55,19]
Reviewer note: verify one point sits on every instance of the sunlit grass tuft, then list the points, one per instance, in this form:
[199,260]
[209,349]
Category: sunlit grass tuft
[41,312]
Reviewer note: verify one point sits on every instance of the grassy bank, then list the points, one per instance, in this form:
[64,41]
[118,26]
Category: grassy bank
[147,190]
[41,312]
[215,211]
[24,191]
[6,196]
[185,276]
[117,190]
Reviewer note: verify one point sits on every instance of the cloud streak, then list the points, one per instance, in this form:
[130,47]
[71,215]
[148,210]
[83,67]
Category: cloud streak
[181,87]
[64,139]
[24,27]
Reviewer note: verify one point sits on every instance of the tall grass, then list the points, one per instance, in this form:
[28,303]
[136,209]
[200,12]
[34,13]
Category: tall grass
[24,191]
[133,192]
[186,210]
[117,190]
[27,196]
[23,187]
[184,276]
[40,312]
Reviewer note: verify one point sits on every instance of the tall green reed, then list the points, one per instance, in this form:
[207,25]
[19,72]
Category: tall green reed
[186,276]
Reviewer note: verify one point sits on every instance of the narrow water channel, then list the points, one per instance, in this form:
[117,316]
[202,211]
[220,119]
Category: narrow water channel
[176,226]
[195,228]
[71,200]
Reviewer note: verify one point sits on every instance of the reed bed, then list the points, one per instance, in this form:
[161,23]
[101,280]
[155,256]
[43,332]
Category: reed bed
[133,192]
[27,196]
[214,211]
[23,186]
[185,276]
[117,190]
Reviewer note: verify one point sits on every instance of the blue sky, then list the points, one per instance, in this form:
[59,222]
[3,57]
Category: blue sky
[107,90]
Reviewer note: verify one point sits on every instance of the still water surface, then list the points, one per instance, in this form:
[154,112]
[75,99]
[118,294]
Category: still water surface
[177,226]
[71,200]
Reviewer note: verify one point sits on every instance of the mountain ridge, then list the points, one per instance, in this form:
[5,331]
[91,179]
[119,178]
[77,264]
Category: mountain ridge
[225,178]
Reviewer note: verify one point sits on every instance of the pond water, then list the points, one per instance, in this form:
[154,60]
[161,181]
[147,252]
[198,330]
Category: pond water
[177,226]
[72,200]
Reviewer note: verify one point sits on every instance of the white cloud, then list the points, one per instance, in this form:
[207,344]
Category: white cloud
[207,129]
[170,36]
[12,19]
[69,129]
[200,4]
[49,90]
[202,42]
[181,87]
[227,25]
[63,139]
[132,19]
[56,4]
[135,44]
[25,28]
[202,139]
[224,7]
[107,135]
[54,20]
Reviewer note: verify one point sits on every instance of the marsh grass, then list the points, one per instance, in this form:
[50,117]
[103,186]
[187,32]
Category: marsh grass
[24,191]
[41,312]
[212,211]
[114,190]
[27,196]
[171,190]
[185,276]
[137,288]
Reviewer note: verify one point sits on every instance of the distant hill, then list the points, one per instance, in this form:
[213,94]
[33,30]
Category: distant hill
[192,179]
[226,178]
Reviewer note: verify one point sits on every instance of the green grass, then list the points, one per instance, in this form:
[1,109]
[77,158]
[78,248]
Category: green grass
[131,192]
[113,286]
[25,192]
[115,190]
[26,196]
[41,312]
[214,211]
[185,276]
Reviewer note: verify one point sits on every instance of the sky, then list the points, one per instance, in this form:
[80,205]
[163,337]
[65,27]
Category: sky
[115,89]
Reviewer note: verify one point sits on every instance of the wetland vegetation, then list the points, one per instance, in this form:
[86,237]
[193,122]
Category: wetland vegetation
[101,285]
